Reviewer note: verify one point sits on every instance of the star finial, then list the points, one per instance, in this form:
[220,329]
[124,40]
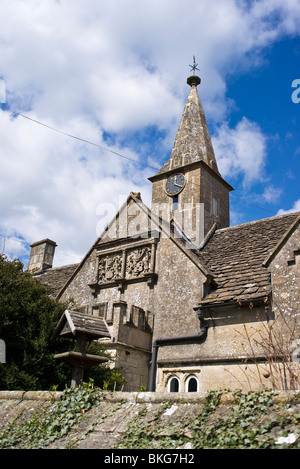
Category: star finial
[194,66]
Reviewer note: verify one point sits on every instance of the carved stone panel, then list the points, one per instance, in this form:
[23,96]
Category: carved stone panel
[132,263]
[110,268]
[138,262]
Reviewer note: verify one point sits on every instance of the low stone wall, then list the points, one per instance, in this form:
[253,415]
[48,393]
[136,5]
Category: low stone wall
[164,417]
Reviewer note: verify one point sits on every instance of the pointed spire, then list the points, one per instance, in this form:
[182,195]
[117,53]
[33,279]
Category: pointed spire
[192,142]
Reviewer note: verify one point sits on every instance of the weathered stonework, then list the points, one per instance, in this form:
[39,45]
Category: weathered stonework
[192,142]
[162,416]
[284,265]
[41,255]
[180,272]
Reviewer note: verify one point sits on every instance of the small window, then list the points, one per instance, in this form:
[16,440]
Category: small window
[173,384]
[192,384]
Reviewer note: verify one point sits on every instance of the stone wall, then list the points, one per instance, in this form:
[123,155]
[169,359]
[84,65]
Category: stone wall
[225,357]
[164,419]
[133,362]
[178,291]
[285,268]
[284,265]
[213,188]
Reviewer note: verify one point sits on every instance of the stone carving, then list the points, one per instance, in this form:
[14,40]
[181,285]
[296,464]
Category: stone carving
[129,264]
[110,268]
[138,262]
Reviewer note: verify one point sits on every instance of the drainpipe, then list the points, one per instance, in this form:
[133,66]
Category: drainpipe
[174,341]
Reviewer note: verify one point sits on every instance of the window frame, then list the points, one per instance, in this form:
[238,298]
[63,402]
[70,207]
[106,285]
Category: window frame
[170,379]
[187,381]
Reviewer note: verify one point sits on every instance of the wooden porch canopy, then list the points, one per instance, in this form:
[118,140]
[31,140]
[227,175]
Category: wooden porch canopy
[73,323]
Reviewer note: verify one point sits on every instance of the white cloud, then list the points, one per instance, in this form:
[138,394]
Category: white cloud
[271,194]
[241,151]
[119,60]
[295,208]
[51,186]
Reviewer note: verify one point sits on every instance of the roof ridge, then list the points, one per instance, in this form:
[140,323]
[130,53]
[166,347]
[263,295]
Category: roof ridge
[58,267]
[64,266]
[261,220]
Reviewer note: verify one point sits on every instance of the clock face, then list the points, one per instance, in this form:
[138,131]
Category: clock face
[175,184]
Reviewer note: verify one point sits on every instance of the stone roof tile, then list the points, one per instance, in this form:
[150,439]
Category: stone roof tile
[235,256]
[55,277]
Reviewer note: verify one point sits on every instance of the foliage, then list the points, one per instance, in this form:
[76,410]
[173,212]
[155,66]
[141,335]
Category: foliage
[141,431]
[104,377]
[238,428]
[27,320]
[28,317]
[238,420]
[48,425]
[246,423]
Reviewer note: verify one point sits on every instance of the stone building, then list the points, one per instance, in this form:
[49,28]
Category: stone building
[190,302]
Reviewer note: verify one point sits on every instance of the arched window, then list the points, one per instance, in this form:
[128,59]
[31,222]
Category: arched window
[191,384]
[173,384]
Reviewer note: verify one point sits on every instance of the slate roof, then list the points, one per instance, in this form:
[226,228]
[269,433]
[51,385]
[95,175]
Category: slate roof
[235,256]
[55,277]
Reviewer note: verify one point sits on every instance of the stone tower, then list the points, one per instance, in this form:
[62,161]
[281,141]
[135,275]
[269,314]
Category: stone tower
[189,186]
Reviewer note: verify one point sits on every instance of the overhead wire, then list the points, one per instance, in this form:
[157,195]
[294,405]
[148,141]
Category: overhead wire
[76,138]
[117,153]
[82,140]
[251,205]
[105,149]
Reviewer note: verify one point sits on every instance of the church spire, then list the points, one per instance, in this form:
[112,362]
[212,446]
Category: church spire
[189,186]
[192,142]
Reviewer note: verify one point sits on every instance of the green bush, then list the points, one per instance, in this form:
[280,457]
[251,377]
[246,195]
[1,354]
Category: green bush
[28,317]
[27,320]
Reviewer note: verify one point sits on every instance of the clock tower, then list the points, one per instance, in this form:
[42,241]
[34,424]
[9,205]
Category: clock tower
[189,189]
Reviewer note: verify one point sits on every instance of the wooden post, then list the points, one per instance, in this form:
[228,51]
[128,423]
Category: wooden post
[78,369]
[77,376]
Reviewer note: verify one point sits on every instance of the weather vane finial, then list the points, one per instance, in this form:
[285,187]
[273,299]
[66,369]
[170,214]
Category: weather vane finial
[194,66]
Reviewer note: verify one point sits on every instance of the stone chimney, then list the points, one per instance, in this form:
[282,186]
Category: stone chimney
[41,255]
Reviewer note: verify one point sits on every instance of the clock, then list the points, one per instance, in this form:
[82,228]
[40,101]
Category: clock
[175,184]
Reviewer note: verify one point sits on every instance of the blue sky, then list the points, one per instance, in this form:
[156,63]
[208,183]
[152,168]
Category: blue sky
[264,94]
[114,74]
